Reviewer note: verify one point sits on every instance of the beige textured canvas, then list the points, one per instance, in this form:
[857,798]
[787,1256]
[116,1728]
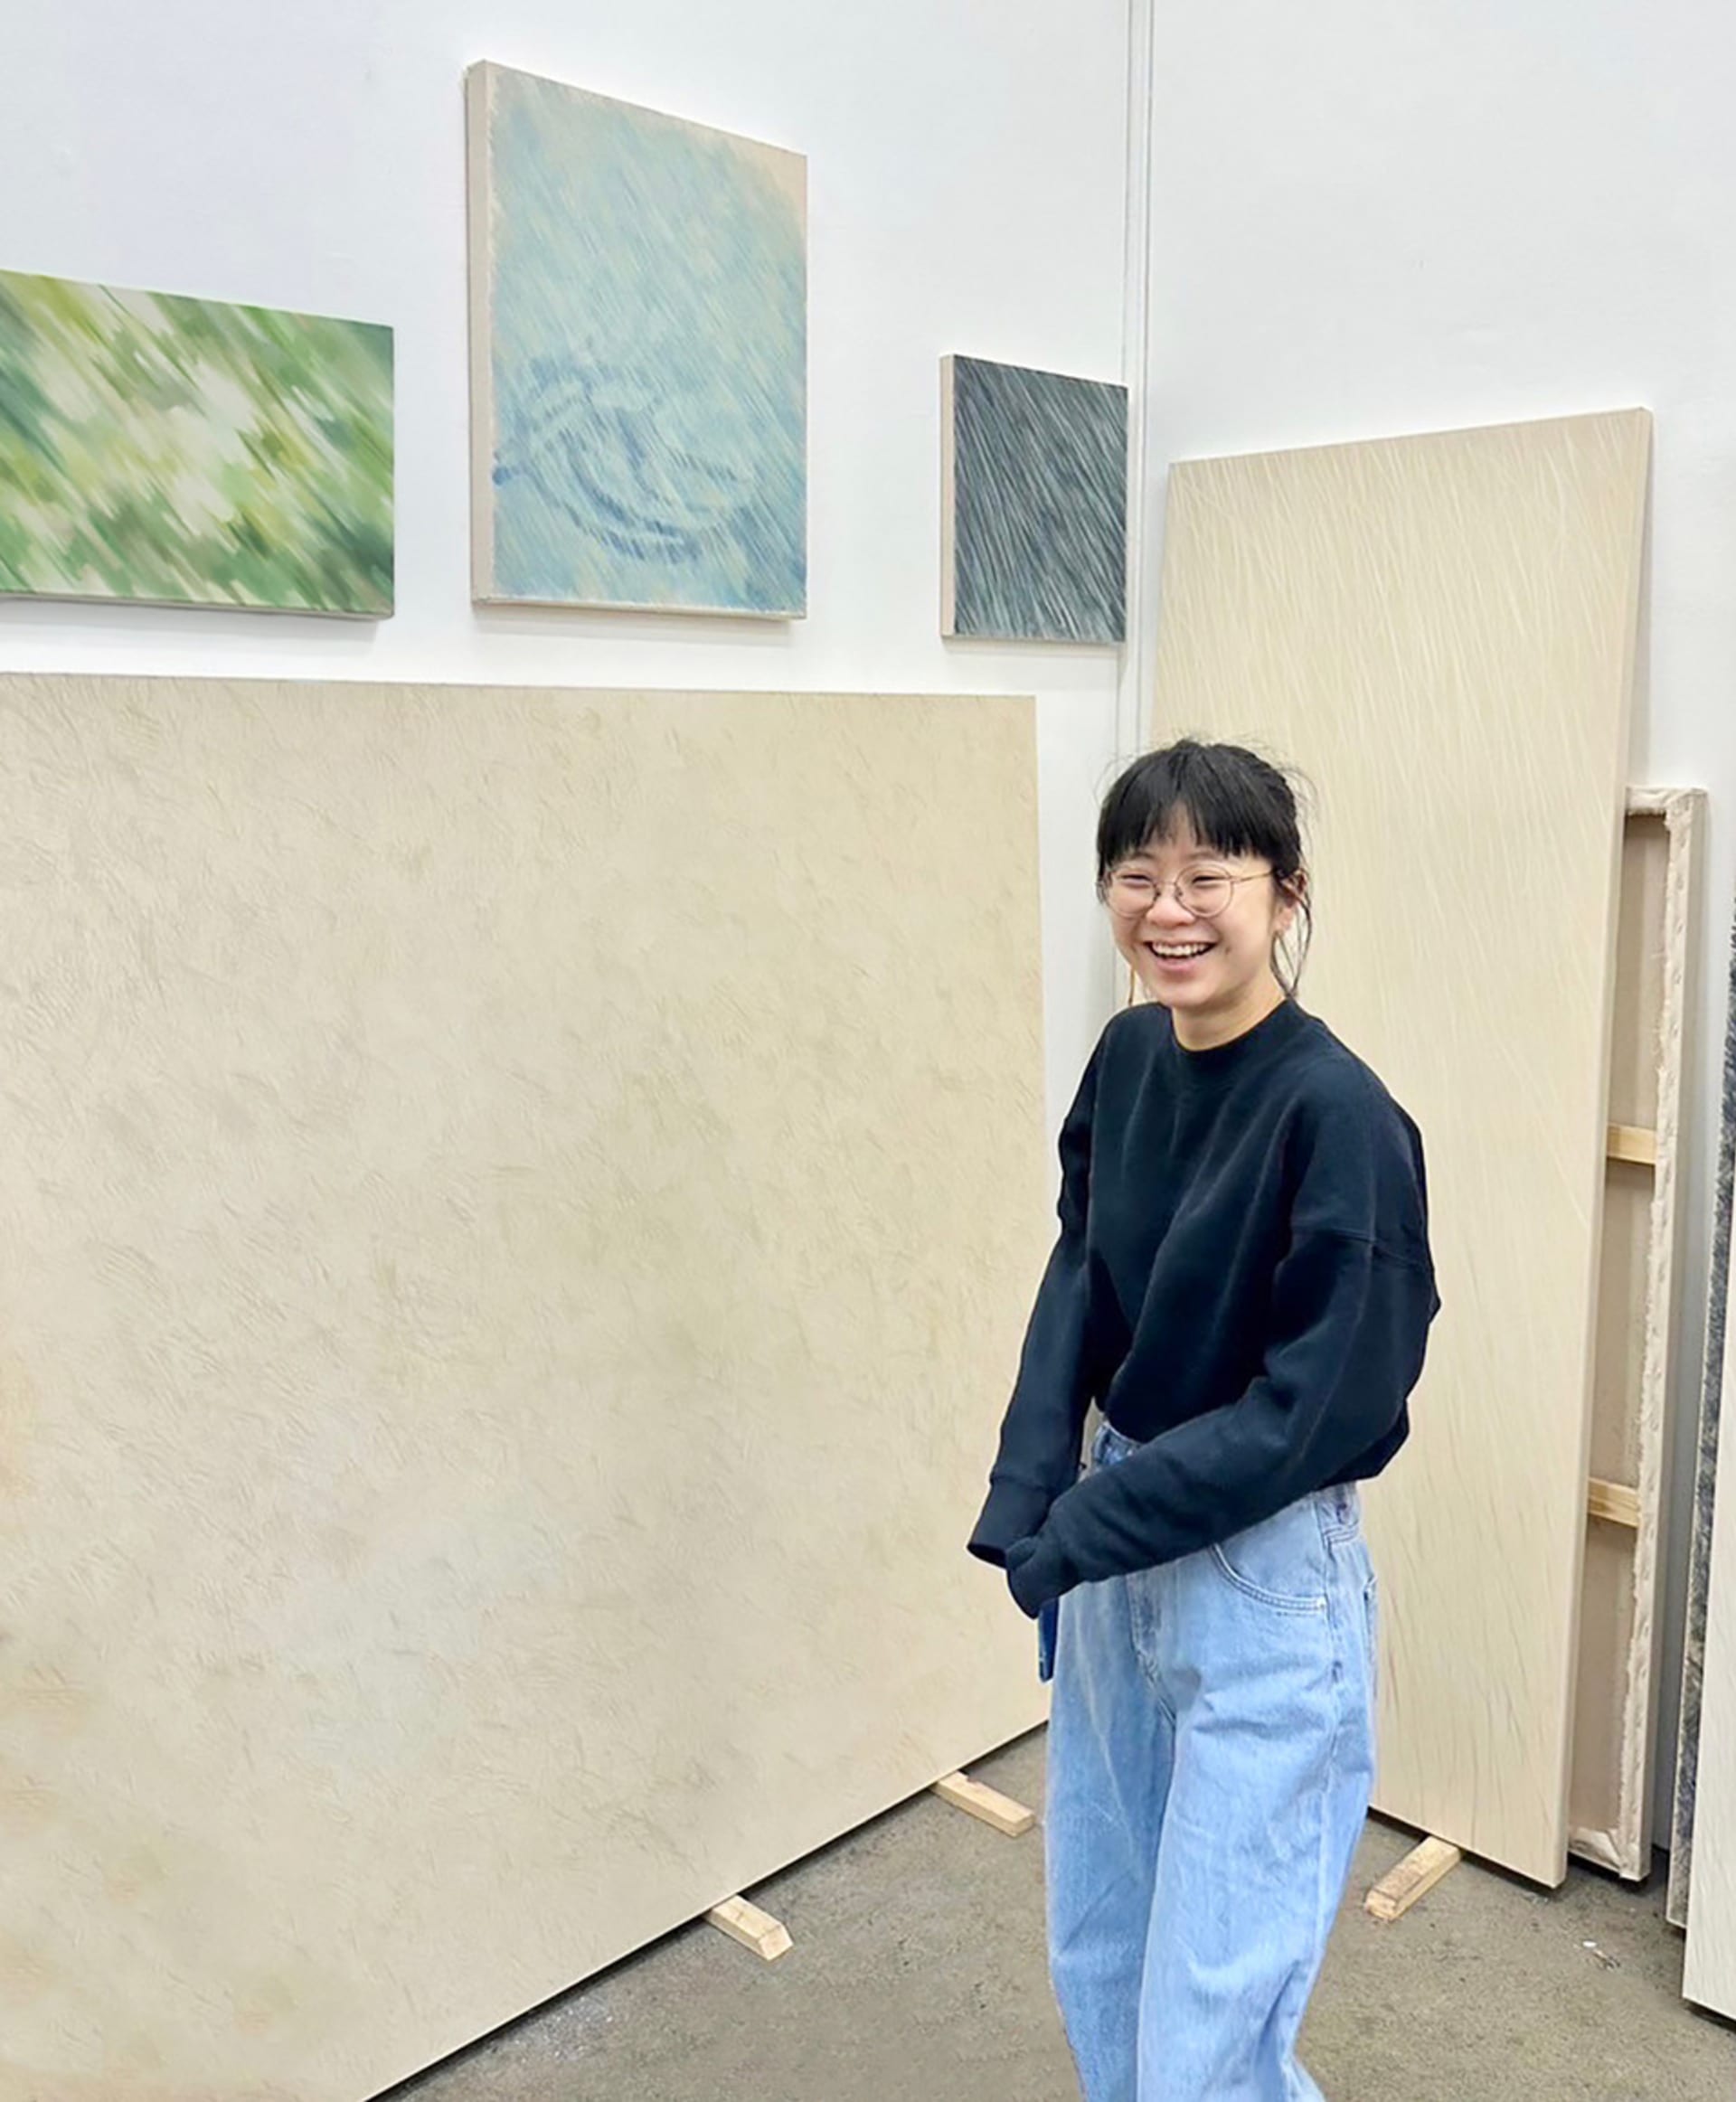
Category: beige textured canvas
[520,1211]
[1615,1710]
[1439,631]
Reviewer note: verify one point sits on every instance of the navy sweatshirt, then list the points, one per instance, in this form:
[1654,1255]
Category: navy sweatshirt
[1243,1283]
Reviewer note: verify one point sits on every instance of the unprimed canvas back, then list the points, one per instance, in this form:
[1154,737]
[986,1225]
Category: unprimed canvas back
[519,1216]
[1439,630]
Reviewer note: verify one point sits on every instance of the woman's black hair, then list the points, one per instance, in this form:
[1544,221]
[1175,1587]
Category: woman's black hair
[1233,800]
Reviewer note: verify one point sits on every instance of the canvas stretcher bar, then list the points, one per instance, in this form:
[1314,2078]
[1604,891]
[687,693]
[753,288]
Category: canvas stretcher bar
[1620,1626]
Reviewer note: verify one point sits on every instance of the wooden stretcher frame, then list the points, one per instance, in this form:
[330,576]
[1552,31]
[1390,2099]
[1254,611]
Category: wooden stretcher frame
[1621,1622]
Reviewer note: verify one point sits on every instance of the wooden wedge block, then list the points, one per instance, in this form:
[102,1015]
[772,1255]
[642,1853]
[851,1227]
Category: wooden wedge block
[766,1937]
[1614,1501]
[994,1808]
[1630,1142]
[1415,1876]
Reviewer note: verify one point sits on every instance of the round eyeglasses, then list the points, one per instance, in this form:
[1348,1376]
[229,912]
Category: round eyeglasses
[1203,893]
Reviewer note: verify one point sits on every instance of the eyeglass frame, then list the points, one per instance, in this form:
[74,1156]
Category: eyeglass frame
[1173,889]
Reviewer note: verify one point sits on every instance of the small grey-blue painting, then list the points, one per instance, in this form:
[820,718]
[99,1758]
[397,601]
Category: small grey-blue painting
[1034,505]
[639,356]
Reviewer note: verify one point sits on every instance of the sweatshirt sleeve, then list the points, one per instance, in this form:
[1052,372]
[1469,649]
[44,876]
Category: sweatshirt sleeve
[1046,1419]
[1350,1316]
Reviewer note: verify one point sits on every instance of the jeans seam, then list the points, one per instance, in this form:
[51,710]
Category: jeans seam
[1324,1906]
[1141,1656]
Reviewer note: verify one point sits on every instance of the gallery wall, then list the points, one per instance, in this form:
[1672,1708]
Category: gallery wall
[966,192]
[1368,220]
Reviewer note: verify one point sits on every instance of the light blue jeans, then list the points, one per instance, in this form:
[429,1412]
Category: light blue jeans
[1210,1755]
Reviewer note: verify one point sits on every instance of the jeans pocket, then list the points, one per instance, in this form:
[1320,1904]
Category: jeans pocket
[1282,1563]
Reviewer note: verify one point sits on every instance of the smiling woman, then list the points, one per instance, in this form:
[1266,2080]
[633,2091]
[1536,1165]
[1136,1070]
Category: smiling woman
[1199,853]
[1243,1286]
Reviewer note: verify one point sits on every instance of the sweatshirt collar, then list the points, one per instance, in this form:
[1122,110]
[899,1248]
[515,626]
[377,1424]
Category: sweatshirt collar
[1254,1047]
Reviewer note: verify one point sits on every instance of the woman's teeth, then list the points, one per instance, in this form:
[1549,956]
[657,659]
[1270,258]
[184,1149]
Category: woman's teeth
[1178,953]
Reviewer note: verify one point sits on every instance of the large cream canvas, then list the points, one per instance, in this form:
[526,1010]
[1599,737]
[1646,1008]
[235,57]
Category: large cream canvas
[1439,631]
[520,1213]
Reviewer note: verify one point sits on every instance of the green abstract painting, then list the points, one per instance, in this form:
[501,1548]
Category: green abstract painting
[189,452]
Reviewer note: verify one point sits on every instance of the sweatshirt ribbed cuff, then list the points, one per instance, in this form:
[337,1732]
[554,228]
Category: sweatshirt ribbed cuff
[1014,1510]
[1038,1570]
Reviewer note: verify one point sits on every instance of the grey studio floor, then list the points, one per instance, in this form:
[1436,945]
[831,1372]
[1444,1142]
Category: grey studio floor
[917,1975]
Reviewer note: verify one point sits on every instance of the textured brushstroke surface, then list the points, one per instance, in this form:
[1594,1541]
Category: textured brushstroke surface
[1705,1488]
[1036,535]
[639,309]
[191,452]
[1439,631]
[521,1213]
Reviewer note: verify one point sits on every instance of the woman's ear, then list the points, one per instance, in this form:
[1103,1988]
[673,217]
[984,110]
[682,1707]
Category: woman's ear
[1292,894]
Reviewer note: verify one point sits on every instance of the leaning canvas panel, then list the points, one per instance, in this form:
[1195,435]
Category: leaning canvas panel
[167,450]
[1706,1483]
[1034,505]
[639,328]
[1615,1710]
[512,1254]
[1439,631]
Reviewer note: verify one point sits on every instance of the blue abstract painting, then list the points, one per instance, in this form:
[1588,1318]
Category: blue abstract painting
[639,356]
[1034,513]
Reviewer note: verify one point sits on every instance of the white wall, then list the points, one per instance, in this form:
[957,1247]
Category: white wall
[967,190]
[1370,219]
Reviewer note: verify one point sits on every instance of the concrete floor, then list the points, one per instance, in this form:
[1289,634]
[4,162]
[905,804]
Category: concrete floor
[918,1976]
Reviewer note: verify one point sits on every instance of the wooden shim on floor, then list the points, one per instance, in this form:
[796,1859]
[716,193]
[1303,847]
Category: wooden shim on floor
[1416,1875]
[994,1808]
[754,1929]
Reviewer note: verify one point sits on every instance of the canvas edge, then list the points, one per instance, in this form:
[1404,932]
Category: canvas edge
[1683,812]
[1630,459]
[386,2081]
[357,615]
[1631,412]
[800,610]
[479,104]
[769,145]
[200,299]
[1714,1377]
[499,601]
[949,496]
